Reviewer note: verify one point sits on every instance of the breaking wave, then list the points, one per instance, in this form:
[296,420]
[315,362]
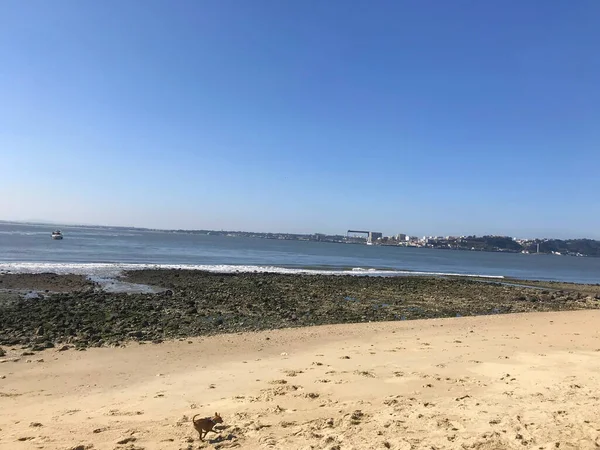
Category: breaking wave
[114,269]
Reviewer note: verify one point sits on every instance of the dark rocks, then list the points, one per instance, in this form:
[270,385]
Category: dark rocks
[43,346]
[2,352]
[135,334]
[208,303]
[45,282]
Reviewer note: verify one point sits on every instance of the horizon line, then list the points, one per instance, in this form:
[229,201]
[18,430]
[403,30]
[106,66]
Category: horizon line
[43,222]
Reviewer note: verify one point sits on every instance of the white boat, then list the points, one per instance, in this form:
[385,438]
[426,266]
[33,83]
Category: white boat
[57,234]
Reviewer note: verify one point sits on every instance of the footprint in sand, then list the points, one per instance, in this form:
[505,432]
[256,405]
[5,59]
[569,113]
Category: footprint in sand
[276,410]
[117,412]
[311,395]
[126,440]
[391,401]
[364,373]
[268,441]
[270,394]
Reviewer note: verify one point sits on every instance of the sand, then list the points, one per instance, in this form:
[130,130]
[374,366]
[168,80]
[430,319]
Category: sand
[493,382]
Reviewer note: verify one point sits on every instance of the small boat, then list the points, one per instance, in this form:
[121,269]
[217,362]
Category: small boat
[57,234]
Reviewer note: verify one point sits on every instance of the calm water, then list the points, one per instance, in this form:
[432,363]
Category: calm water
[105,250]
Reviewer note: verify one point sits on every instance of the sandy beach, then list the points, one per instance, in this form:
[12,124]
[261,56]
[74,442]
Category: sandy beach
[490,382]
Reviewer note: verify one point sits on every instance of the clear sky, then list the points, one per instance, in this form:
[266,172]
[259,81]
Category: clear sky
[422,117]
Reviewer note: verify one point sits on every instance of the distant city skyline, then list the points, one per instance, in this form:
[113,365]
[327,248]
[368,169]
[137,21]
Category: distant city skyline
[334,233]
[402,117]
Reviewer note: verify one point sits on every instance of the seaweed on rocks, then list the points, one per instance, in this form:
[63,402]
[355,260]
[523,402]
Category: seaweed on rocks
[201,303]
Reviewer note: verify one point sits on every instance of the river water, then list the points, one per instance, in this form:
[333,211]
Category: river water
[102,251]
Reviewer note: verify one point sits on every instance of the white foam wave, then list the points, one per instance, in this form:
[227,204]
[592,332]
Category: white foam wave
[114,269]
[24,233]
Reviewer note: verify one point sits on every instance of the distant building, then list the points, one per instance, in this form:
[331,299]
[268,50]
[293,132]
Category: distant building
[373,236]
[401,237]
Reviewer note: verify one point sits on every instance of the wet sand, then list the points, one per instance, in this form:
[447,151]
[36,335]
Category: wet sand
[492,382]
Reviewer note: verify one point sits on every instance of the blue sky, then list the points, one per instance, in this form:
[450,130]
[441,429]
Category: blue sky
[426,117]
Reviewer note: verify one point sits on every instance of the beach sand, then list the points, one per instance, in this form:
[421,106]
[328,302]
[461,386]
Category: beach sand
[523,381]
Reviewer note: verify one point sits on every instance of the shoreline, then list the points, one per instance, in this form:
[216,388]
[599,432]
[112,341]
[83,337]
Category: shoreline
[189,303]
[117,269]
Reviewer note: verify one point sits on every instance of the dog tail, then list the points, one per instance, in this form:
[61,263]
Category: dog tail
[194,418]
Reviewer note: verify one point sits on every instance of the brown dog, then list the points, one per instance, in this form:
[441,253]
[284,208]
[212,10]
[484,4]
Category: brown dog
[206,424]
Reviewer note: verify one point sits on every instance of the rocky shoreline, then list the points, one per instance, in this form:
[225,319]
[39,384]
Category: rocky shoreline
[74,312]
